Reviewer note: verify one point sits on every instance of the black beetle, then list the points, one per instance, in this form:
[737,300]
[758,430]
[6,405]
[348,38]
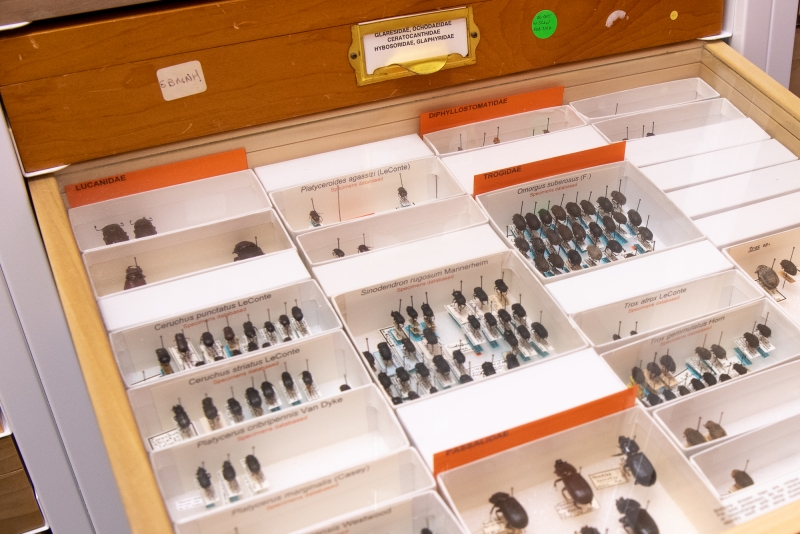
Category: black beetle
[635,518]
[398,319]
[268,390]
[605,204]
[228,472]
[709,378]
[639,465]
[724,377]
[409,346]
[500,286]
[538,246]
[412,313]
[715,430]
[595,230]
[307,379]
[533,221]
[545,217]
[539,329]
[480,294]
[427,311]
[556,261]
[384,351]
[578,232]
[522,245]
[653,399]
[739,368]
[203,478]
[741,479]
[634,217]
[719,352]
[589,530]
[488,369]
[638,375]
[789,267]
[253,398]
[697,385]
[669,395]
[614,246]
[207,339]
[422,370]
[564,232]
[693,437]
[402,375]
[588,207]
[245,250]
[518,310]
[253,465]
[235,407]
[573,209]
[504,315]
[541,264]
[181,417]
[459,299]
[384,380]
[579,490]
[430,336]
[619,217]
[363,248]
[552,236]
[143,228]
[654,369]
[459,357]
[113,233]
[370,359]
[619,198]
[209,409]
[338,253]
[559,213]
[594,252]
[519,222]
[751,340]
[464,379]
[510,338]
[683,390]
[668,363]
[180,342]
[163,358]
[442,367]
[134,277]
[490,319]
[288,381]
[511,361]
[510,509]
[645,233]
[608,223]
[523,332]
[703,353]
[767,277]
[764,330]
[574,258]
[297,314]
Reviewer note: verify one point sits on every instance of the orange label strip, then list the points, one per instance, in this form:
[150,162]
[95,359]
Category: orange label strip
[476,450]
[519,174]
[433,121]
[133,182]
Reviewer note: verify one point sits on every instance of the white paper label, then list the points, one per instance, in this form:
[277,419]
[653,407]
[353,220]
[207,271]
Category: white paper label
[414,43]
[181,80]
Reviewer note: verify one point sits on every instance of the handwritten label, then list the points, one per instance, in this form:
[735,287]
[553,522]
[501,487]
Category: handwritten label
[415,43]
[608,479]
[179,81]
[544,24]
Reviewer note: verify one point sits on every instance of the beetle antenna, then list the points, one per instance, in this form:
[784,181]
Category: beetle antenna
[745,466]
[698,423]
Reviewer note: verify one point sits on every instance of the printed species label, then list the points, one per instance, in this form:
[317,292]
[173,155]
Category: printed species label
[415,43]
[179,81]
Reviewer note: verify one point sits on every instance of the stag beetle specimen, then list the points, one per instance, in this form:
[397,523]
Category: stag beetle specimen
[113,233]
[144,228]
[510,509]
[639,465]
[574,483]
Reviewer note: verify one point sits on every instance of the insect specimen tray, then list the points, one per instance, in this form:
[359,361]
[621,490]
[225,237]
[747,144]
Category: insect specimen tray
[758,97]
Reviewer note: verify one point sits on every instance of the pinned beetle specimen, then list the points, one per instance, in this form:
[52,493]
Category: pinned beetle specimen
[619,198]
[588,208]
[564,232]
[634,217]
[619,217]
[668,363]
[488,367]
[715,430]
[559,213]
[574,483]
[245,250]
[709,378]
[181,418]
[235,408]
[113,233]
[539,330]
[541,263]
[134,276]
[669,395]
[573,209]
[589,530]
[683,390]
[545,217]
[480,295]
[645,233]
[459,299]
[204,481]
[767,277]
[764,330]
[752,341]
[538,246]
[164,361]
[314,217]
[741,479]
[574,258]
[739,368]
[653,399]
[338,252]
[522,245]
[634,518]
[594,252]
[556,261]
[144,228]
[697,385]
[229,474]
[552,236]
[509,509]
[578,232]
[363,247]
[605,204]
[789,267]
[519,222]
[402,193]
[693,435]
[637,463]
[533,222]
[614,246]
[608,223]
[703,353]
[595,230]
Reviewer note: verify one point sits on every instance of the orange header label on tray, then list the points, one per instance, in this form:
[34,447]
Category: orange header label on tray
[180,172]
[519,174]
[433,121]
[478,449]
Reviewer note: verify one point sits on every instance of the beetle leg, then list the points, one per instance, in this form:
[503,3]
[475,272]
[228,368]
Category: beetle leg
[567,498]
[556,482]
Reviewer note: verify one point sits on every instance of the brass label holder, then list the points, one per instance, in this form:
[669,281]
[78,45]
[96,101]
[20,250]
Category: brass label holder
[403,29]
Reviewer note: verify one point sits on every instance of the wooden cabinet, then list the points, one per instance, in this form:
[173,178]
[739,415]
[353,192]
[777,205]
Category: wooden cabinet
[19,510]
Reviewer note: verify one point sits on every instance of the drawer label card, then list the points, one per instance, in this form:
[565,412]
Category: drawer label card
[179,81]
[414,43]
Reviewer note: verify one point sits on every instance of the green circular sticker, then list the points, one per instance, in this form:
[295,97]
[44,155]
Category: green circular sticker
[544,24]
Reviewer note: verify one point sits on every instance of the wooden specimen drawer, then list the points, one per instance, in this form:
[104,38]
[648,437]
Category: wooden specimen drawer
[9,457]
[759,97]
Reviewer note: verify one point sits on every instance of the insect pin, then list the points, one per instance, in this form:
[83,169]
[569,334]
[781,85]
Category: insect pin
[580,492]
[338,252]
[636,462]
[363,246]
[508,509]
